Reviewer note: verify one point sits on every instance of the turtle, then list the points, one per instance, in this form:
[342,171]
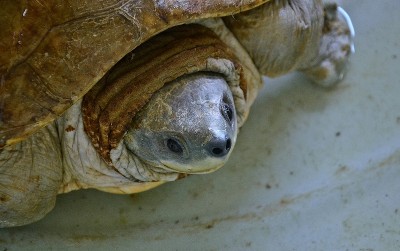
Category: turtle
[123,96]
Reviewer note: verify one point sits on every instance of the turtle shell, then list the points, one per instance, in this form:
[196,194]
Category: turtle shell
[53,53]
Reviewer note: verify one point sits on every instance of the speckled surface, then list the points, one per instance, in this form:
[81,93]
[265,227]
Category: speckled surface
[313,169]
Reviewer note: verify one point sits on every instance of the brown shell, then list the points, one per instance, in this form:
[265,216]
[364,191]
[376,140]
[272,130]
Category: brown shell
[53,52]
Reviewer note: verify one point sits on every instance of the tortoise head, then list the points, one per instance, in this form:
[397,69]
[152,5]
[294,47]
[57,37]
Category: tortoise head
[189,126]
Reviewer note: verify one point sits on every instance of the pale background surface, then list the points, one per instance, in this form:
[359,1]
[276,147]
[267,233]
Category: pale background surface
[313,169]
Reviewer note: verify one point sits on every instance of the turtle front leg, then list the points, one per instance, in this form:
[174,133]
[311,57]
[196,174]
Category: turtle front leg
[335,48]
[30,176]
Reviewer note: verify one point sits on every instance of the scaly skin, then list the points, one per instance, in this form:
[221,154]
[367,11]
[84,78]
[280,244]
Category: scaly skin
[296,35]
[30,176]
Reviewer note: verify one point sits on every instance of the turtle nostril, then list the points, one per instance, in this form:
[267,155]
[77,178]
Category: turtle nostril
[228,144]
[217,151]
[220,148]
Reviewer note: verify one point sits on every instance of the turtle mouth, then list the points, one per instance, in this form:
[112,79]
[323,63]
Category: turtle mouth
[190,169]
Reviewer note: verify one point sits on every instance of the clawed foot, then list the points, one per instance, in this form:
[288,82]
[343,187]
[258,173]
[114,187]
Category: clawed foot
[335,48]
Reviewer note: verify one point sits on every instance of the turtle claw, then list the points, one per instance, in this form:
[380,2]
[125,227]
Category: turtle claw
[335,48]
[349,23]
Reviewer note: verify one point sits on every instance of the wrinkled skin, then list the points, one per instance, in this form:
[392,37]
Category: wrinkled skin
[315,41]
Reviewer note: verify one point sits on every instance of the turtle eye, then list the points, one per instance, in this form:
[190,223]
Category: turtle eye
[227,111]
[174,146]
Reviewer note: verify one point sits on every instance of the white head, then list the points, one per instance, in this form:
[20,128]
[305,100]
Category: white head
[189,126]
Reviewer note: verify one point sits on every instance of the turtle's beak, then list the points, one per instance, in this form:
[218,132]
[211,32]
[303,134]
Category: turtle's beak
[206,166]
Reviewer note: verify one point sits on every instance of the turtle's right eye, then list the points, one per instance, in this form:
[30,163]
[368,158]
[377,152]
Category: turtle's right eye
[227,111]
[174,146]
